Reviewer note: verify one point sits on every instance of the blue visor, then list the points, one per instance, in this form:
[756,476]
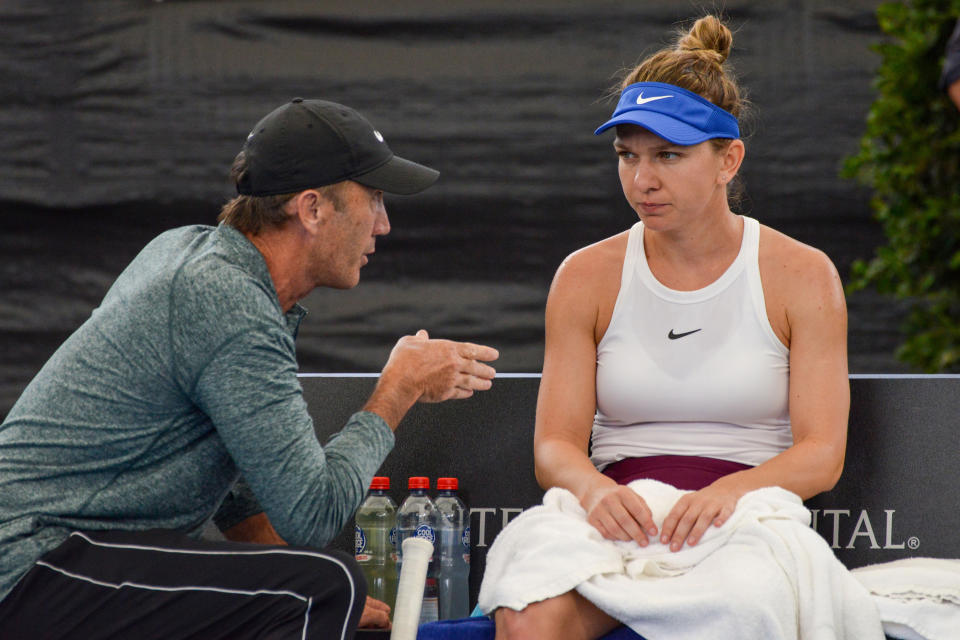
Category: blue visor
[675,114]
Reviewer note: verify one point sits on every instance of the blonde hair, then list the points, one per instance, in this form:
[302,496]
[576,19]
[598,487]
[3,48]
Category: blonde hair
[696,63]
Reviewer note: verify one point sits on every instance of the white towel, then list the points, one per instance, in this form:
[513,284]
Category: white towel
[763,574]
[918,598]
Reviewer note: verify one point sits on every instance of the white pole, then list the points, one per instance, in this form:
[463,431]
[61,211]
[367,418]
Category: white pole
[415,553]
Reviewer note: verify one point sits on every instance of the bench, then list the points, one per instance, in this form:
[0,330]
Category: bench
[898,497]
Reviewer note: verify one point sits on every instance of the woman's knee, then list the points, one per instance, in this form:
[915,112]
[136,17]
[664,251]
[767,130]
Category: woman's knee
[565,616]
[512,624]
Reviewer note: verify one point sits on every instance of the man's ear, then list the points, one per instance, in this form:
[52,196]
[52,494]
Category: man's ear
[311,209]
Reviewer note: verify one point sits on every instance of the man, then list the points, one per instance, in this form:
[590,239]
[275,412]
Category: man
[129,438]
[950,75]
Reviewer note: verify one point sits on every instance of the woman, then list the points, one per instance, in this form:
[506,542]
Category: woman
[698,348]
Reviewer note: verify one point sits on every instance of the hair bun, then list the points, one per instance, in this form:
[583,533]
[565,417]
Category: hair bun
[695,62]
[708,34]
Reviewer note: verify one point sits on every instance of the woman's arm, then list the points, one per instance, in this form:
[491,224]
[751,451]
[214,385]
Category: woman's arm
[815,324]
[819,385]
[567,399]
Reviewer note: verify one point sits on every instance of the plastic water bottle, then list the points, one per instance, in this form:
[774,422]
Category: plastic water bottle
[417,517]
[376,520]
[453,574]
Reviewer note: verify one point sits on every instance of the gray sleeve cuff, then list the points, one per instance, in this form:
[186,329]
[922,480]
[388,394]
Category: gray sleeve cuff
[377,424]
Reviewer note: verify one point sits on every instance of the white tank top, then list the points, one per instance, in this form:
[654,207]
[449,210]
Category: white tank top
[694,373]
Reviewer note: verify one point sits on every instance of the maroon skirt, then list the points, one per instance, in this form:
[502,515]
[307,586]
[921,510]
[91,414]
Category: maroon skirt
[682,472]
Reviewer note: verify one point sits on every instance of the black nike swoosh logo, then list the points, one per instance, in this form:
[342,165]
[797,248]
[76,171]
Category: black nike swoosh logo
[674,336]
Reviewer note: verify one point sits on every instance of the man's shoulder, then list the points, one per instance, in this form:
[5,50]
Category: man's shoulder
[181,236]
[168,250]
[219,275]
[214,259]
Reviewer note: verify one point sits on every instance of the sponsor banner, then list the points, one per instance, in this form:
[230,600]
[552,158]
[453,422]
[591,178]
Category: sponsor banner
[842,529]
[896,498]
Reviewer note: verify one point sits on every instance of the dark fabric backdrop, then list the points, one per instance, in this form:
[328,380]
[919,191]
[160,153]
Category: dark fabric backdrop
[120,120]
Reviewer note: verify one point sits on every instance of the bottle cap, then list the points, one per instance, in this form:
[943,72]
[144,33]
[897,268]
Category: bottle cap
[380,482]
[418,482]
[446,483]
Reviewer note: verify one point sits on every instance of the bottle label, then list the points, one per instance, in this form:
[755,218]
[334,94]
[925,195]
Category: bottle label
[465,541]
[393,537]
[359,542]
[426,532]
[429,610]
[430,607]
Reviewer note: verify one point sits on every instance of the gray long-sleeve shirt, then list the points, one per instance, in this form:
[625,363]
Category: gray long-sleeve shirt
[183,378]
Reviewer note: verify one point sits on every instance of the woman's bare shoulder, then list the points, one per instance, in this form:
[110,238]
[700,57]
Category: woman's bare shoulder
[800,284]
[586,285]
[596,261]
[791,262]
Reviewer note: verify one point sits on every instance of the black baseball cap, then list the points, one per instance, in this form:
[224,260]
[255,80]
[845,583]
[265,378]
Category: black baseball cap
[313,143]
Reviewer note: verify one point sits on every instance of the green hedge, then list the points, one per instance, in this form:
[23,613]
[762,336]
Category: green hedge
[910,157]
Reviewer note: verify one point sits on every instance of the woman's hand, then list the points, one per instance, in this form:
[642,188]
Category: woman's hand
[695,512]
[618,513]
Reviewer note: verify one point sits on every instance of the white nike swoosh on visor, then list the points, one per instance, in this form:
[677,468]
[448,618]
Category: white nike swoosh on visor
[642,100]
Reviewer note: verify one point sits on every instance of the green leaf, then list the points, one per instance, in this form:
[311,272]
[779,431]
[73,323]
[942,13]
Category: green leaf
[909,156]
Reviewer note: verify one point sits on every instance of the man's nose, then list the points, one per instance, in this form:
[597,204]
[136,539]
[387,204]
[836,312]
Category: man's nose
[382,225]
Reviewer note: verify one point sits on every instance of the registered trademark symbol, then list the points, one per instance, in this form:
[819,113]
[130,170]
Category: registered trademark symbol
[913,542]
